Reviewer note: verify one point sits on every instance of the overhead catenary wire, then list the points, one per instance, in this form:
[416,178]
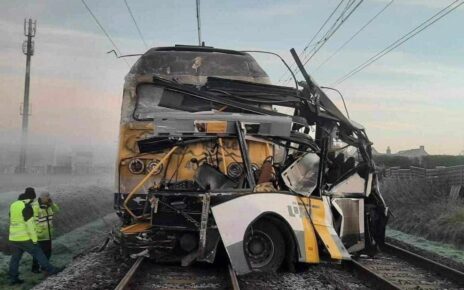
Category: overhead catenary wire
[350,8]
[348,5]
[103,30]
[355,34]
[135,23]
[328,36]
[424,25]
[322,27]
[314,37]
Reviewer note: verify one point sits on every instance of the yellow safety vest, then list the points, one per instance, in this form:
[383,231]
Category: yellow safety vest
[44,220]
[21,230]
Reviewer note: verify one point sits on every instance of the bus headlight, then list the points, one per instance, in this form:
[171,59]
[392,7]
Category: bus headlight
[136,166]
[151,165]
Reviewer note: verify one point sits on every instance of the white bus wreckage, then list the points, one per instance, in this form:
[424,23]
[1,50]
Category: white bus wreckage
[211,160]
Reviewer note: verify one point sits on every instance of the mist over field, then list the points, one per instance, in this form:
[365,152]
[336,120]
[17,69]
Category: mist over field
[409,102]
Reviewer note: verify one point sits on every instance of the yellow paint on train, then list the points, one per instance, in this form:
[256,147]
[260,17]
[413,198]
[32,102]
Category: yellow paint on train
[183,163]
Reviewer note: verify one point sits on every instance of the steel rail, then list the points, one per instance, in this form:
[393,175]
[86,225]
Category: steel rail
[233,279]
[127,278]
[369,275]
[425,263]
[381,282]
[125,281]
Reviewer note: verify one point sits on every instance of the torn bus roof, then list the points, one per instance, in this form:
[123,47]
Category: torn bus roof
[209,93]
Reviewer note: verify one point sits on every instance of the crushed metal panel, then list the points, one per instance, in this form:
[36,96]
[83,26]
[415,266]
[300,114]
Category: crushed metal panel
[321,217]
[233,218]
[179,124]
[157,83]
[352,227]
[353,184]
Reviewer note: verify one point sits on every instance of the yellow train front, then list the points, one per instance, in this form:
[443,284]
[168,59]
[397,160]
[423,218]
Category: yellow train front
[213,157]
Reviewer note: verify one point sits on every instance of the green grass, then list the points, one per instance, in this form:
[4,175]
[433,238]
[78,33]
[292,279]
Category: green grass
[65,248]
[30,278]
[425,210]
[443,249]
[79,205]
[83,201]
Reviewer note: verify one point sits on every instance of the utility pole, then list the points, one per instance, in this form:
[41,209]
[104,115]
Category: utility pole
[198,22]
[28,49]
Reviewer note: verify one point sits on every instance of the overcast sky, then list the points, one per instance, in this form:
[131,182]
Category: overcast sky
[413,96]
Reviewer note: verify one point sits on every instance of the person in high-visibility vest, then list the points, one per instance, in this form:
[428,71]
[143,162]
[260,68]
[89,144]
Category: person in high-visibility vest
[44,210]
[23,236]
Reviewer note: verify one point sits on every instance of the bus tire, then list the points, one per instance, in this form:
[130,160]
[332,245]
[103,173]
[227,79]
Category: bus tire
[264,247]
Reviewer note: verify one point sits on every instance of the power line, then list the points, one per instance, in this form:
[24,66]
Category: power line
[356,34]
[328,36]
[103,30]
[136,25]
[347,7]
[344,15]
[439,15]
[322,27]
[314,37]
[304,54]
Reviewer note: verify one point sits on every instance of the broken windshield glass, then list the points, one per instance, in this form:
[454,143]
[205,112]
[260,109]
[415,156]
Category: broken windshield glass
[148,101]
[198,63]
[301,176]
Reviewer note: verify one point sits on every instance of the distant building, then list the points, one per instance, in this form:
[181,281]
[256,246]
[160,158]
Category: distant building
[410,153]
[413,153]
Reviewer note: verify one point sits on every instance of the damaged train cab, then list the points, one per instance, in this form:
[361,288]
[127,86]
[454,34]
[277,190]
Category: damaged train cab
[214,157]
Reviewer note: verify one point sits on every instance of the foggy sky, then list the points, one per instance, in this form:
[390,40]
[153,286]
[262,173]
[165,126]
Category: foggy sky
[412,97]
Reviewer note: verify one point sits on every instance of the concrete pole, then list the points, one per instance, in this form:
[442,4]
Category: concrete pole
[198,22]
[28,50]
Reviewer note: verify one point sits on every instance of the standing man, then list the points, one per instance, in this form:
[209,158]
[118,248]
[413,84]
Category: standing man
[44,209]
[23,236]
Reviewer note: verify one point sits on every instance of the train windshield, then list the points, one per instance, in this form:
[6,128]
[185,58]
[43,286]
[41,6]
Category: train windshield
[198,63]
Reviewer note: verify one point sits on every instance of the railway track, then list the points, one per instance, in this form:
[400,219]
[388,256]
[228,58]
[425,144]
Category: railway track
[397,268]
[147,275]
[394,268]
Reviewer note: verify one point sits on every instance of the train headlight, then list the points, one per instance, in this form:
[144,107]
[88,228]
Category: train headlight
[151,165]
[136,166]
[234,170]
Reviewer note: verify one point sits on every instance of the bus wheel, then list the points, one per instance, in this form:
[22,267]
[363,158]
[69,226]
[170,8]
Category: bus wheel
[264,247]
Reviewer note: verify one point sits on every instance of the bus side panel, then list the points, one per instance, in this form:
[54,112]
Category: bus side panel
[233,218]
[322,219]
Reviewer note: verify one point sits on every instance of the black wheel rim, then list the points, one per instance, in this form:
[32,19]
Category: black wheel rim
[259,249]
